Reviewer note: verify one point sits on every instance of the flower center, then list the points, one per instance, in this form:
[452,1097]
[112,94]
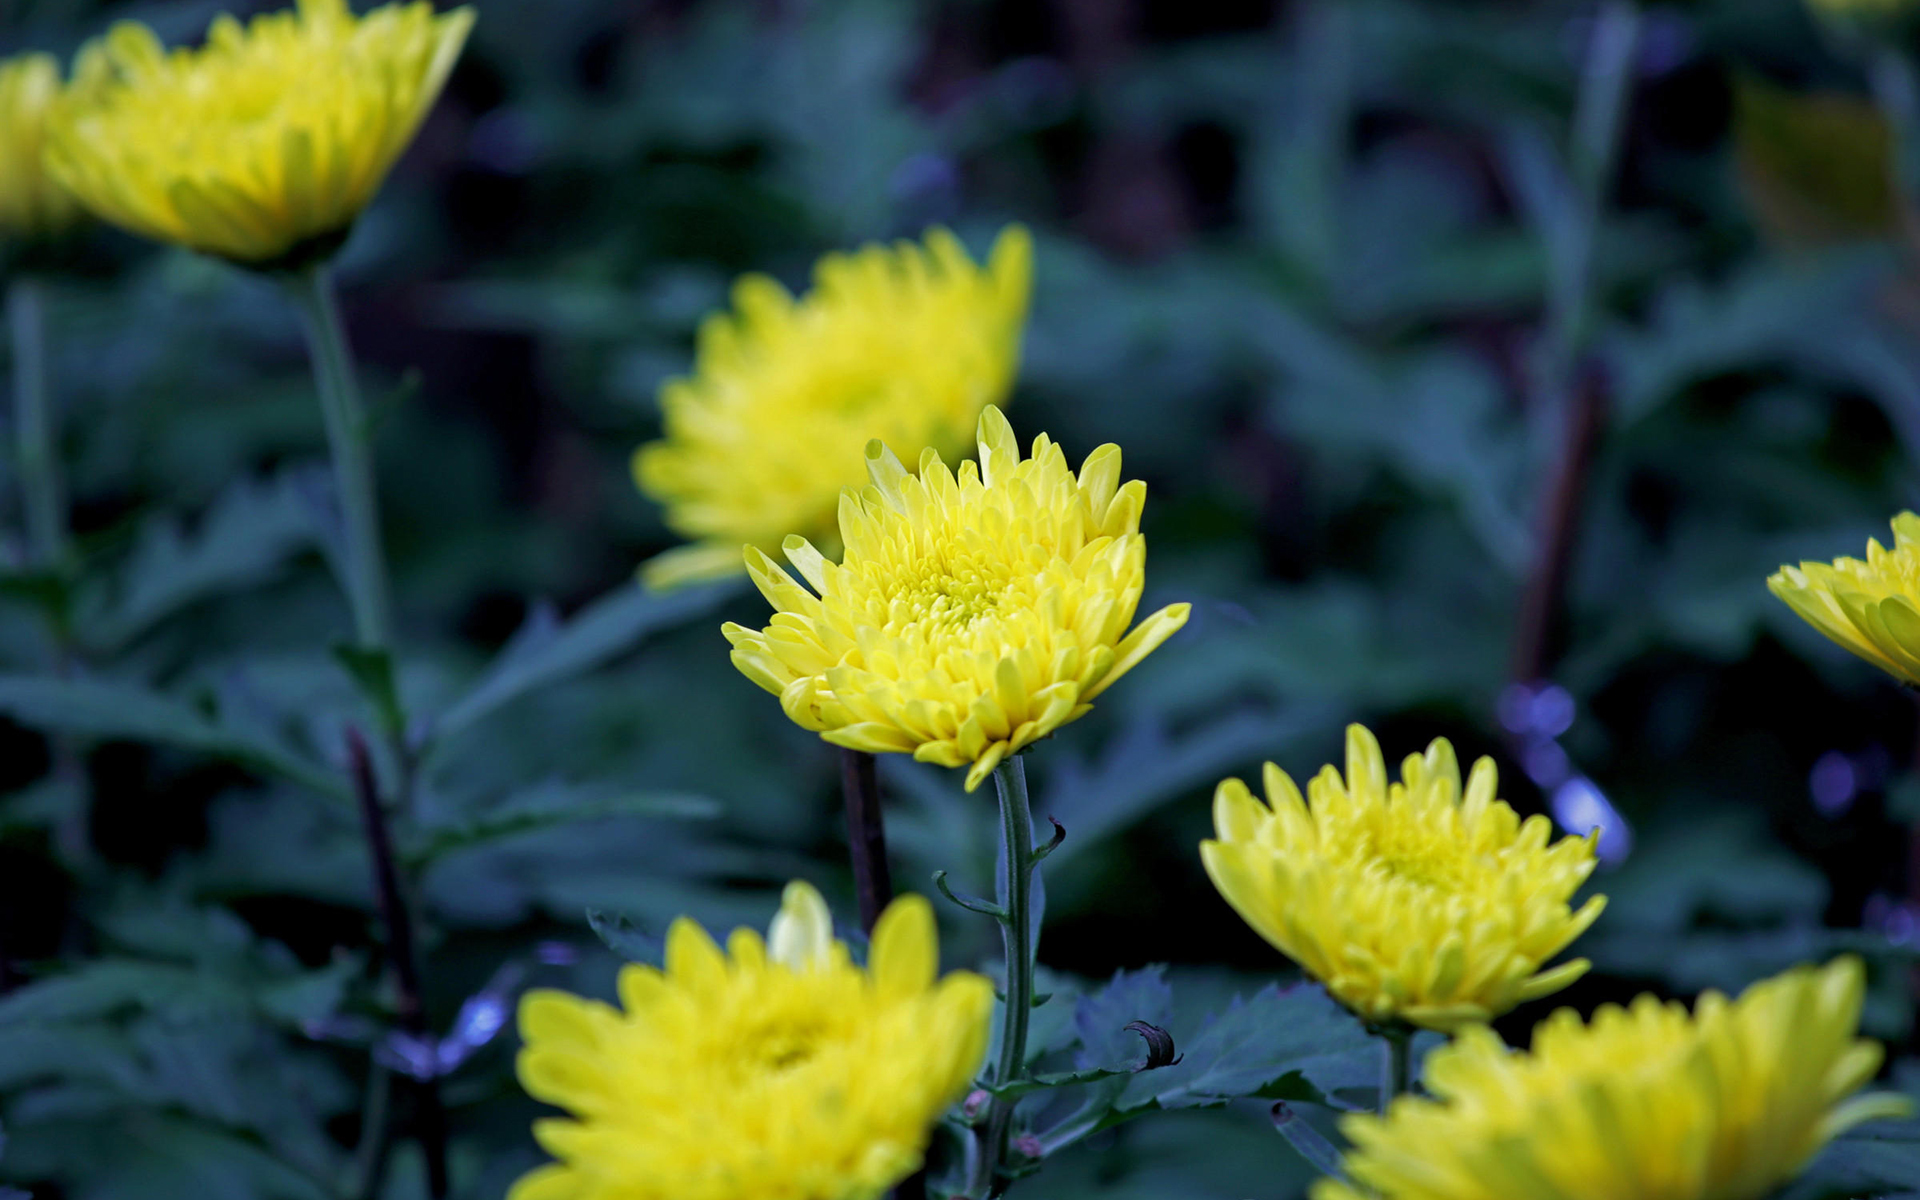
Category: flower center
[779,1048]
[945,596]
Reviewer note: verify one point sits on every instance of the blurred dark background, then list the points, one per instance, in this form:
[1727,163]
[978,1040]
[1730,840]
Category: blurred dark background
[1451,426]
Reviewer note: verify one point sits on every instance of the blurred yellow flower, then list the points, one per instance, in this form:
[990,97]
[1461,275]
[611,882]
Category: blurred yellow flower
[1872,608]
[1649,1102]
[1410,901]
[972,616]
[906,344]
[266,143]
[777,1069]
[32,205]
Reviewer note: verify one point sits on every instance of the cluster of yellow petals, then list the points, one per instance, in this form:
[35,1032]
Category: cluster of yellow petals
[1413,901]
[32,205]
[272,136]
[1648,1102]
[906,344]
[1872,608]
[973,614]
[775,1071]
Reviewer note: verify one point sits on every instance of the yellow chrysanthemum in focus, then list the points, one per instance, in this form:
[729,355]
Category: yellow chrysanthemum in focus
[1873,607]
[32,205]
[906,344]
[267,141]
[972,616]
[776,1071]
[1649,1102]
[1410,901]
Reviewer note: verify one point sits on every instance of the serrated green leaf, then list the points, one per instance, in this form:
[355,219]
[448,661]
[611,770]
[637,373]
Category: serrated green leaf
[1291,1043]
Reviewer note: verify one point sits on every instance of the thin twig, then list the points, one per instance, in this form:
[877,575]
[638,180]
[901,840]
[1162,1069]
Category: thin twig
[1534,632]
[866,835]
[430,1118]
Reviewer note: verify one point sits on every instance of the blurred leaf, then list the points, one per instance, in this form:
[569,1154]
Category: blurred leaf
[539,810]
[626,939]
[103,708]
[1763,314]
[1143,768]
[157,1155]
[242,540]
[546,651]
[1871,1160]
[372,672]
[1816,167]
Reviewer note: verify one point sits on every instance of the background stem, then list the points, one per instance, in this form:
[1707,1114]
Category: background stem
[36,430]
[866,835]
[347,436]
[430,1119]
[1016,930]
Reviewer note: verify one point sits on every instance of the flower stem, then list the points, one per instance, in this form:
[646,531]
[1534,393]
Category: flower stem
[1396,1063]
[1016,931]
[312,293]
[370,1159]
[35,426]
[430,1118]
[866,835]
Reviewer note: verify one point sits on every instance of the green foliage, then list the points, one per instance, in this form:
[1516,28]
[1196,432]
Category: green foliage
[1329,276]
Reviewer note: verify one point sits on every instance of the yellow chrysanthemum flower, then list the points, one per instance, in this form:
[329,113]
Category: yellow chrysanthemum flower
[972,616]
[906,344]
[1873,607]
[1410,901]
[32,205]
[266,142]
[1649,1102]
[776,1071]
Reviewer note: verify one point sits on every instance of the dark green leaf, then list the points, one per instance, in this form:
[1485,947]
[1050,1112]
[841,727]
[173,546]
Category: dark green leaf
[103,708]
[551,808]
[626,939]
[243,539]
[372,672]
[546,651]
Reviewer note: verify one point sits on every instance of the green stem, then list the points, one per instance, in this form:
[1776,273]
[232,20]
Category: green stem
[348,436]
[1396,1063]
[1606,85]
[1016,931]
[35,427]
[370,1159]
